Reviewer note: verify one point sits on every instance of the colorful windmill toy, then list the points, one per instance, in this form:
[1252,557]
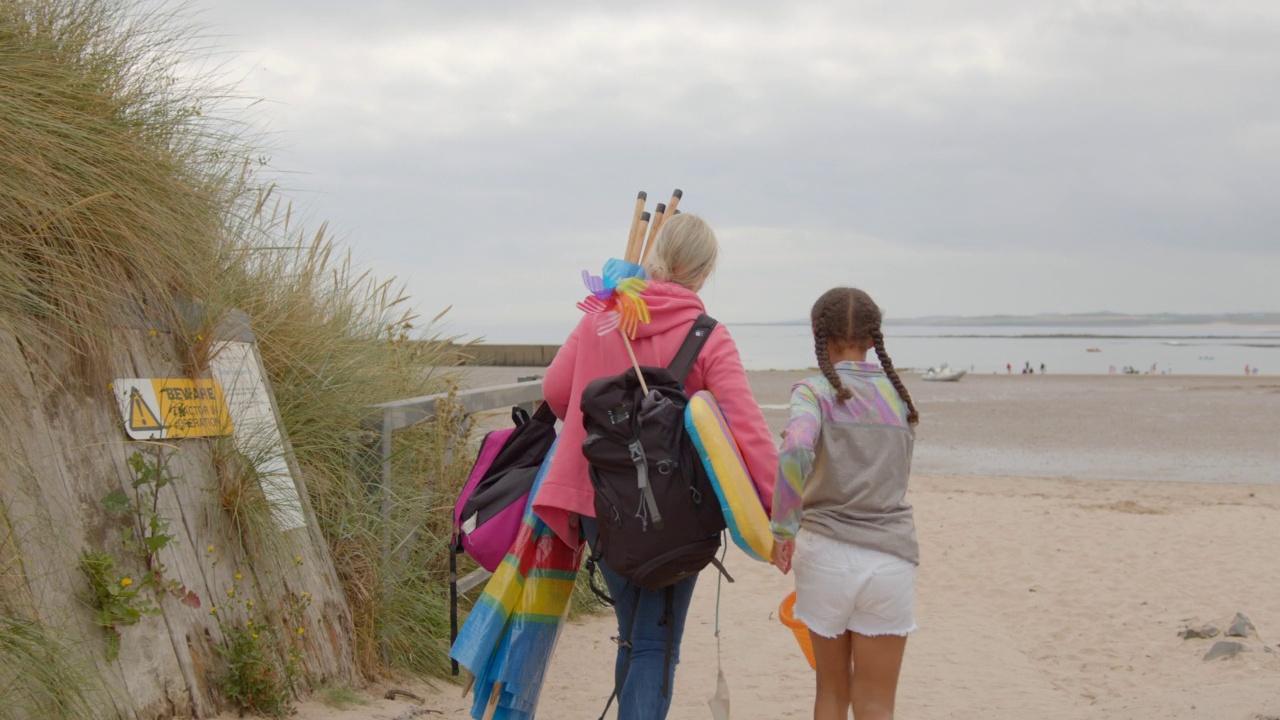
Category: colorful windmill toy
[616,295]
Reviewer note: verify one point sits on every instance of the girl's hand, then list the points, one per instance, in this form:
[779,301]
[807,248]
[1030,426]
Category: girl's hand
[782,552]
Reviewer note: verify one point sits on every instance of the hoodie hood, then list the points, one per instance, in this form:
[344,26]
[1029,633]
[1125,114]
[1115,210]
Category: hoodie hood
[670,306]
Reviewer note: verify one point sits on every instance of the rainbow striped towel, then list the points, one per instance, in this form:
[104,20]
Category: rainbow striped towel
[511,632]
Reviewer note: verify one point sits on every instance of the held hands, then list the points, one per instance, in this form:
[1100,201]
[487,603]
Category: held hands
[782,552]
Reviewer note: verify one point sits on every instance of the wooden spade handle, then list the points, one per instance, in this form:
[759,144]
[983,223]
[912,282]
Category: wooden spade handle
[653,231]
[661,219]
[641,229]
[634,237]
[675,200]
[494,696]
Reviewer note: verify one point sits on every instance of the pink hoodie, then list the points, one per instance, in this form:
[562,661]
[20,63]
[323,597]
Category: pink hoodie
[585,356]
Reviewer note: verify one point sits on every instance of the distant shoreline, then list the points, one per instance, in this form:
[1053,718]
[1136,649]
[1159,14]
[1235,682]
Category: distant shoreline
[1095,336]
[1102,319]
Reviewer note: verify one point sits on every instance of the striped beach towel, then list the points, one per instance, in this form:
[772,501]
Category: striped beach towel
[511,632]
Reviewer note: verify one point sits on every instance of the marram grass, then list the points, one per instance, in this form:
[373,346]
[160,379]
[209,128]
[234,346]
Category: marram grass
[114,186]
[41,676]
[128,197]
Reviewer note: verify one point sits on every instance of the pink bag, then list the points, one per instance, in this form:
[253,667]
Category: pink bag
[487,515]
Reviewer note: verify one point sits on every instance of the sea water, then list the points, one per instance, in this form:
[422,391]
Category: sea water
[1179,349]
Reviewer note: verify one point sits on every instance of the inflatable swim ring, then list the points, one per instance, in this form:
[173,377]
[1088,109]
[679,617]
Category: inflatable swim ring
[743,512]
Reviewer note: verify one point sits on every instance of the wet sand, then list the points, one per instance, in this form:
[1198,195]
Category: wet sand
[1070,526]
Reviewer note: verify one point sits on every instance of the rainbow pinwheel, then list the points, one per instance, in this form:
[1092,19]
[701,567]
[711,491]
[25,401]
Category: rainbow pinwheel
[616,295]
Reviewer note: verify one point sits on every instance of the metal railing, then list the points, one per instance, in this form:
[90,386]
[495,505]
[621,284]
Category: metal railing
[386,418]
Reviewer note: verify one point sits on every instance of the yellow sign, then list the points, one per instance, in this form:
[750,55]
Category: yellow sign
[141,417]
[162,408]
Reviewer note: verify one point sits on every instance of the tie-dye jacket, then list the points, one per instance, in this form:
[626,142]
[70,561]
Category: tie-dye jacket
[843,466]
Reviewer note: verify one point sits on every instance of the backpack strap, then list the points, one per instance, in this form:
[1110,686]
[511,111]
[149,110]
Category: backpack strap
[453,601]
[693,342]
[544,414]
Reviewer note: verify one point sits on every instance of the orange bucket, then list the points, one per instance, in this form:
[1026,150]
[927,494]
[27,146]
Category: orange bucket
[787,614]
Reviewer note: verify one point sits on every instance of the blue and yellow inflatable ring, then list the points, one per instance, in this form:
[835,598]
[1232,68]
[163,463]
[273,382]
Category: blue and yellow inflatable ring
[743,511]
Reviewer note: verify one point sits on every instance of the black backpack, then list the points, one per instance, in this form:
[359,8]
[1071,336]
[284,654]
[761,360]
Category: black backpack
[658,516]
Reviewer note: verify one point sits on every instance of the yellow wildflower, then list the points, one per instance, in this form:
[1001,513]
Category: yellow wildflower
[209,549]
[301,630]
[126,582]
[297,559]
[255,636]
[213,610]
[231,592]
[239,576]
[248,603]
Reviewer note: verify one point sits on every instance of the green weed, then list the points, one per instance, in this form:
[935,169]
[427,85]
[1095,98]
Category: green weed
[118,600]
[261,650]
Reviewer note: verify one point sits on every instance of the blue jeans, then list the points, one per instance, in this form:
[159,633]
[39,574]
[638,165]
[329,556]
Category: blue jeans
[640,691]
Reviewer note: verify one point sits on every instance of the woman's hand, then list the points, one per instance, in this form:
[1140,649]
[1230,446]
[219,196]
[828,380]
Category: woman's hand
[782,552]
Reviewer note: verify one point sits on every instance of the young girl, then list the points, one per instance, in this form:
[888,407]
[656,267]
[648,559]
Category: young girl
[842,478]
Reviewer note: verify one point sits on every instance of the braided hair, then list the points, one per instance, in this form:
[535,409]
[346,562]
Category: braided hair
[846,316]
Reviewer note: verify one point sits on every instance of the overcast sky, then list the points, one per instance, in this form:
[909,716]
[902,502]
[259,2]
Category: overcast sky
[950,157]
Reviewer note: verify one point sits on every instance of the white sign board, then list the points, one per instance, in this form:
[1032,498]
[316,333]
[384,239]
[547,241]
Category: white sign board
[257,434]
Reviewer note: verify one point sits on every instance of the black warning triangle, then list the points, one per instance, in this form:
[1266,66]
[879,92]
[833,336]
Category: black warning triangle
[140,416]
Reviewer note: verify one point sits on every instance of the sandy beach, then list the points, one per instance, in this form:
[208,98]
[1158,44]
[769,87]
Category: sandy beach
[1070,527]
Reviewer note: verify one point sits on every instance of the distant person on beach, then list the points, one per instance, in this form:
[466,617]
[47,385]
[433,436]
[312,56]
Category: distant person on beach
[840,513]
[1041,368]
[1246,369]
[1008,367]
[682,259]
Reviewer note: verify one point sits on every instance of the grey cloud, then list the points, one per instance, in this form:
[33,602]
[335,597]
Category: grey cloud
[486,133]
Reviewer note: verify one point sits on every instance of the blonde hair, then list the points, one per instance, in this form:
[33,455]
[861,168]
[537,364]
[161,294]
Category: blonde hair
[684,252]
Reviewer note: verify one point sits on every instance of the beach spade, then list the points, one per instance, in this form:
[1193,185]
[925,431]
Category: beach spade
[719,703]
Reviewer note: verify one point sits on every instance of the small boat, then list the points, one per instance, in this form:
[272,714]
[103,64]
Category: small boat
[943,373]
[1093,350]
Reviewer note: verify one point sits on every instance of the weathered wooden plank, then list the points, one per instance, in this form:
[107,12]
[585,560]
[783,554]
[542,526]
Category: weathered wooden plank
[66,450]
[49,528]
[272,570]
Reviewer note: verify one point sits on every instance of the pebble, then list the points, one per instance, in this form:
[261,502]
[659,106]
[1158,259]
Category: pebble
[1241,627]
[1223,649]
[1190,633]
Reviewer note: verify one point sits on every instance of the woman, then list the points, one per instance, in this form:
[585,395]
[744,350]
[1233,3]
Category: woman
[683,257]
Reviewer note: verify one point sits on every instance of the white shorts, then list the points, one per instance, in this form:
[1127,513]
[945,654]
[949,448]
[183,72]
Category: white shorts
[842,587]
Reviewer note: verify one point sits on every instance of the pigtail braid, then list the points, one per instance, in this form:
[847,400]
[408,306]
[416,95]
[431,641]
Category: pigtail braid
[824,362]
[877,337]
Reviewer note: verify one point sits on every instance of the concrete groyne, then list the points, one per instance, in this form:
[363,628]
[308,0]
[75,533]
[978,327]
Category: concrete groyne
[509,355]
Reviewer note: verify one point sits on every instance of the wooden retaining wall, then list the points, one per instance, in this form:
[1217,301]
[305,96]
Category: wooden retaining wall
[63,449]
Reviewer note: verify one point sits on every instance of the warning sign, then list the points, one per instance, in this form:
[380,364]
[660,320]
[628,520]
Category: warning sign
[141,417]
[161,408]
